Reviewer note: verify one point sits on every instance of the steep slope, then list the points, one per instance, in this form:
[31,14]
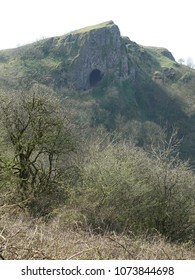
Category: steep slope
[109,80]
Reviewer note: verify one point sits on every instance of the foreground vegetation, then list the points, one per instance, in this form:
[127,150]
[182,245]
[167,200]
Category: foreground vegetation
[26,238]
[70,192]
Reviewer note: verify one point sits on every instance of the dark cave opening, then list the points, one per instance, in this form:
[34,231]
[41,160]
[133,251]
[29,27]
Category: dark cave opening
[95,77]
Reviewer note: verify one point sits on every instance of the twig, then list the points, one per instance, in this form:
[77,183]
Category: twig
[79,253]
[166,254]
[1,250]
[114,240]
[2,237]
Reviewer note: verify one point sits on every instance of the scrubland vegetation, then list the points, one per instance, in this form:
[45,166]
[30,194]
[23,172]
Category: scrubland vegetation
[70,191]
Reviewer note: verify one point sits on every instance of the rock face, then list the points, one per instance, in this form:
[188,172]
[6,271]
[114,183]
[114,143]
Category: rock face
[97,51]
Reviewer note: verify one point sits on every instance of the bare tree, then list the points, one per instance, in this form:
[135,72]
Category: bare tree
[38,135]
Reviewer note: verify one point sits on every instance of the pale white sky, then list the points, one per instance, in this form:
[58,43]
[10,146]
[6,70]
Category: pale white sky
[163,23]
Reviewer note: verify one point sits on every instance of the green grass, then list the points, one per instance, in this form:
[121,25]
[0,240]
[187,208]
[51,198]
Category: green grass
[160,55]
[93,27]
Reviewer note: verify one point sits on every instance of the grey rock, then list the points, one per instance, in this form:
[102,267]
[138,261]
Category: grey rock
[95,52]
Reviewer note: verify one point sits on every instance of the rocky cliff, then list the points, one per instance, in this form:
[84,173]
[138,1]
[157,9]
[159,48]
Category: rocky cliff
[97,51]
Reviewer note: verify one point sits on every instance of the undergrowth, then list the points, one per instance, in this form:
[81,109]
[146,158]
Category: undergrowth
[32,239]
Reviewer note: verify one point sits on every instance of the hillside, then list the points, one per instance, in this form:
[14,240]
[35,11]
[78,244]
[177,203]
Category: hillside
[111,78]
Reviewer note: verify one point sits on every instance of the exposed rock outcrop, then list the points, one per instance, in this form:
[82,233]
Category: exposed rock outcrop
[97,51]
[168,54]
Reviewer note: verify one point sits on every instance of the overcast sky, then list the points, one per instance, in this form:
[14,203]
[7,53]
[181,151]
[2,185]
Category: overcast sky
[162,23]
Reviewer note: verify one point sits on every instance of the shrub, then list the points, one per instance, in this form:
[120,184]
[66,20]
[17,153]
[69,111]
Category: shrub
[124,189]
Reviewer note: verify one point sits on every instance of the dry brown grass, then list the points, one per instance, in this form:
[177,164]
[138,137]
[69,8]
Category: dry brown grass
[24,238]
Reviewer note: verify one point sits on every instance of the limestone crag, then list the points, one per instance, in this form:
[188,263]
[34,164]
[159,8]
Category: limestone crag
[95,52]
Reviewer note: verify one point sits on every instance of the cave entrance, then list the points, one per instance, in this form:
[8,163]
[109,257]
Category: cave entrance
[95,77]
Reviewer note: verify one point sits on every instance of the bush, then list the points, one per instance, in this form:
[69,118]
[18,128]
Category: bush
[124,189]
